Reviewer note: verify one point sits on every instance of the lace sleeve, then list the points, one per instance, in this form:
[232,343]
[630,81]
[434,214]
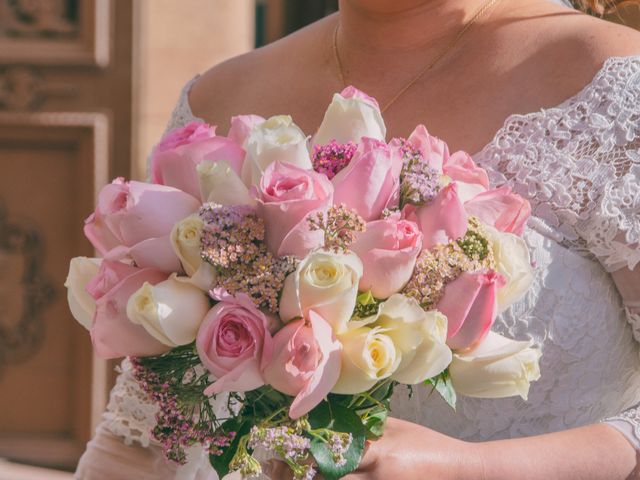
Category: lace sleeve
[180,116]
[130,413]
[182,113]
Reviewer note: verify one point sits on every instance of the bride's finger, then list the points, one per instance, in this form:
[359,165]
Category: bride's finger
[277,470]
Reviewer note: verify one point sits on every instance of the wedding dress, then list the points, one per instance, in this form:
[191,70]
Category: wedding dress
[579,166]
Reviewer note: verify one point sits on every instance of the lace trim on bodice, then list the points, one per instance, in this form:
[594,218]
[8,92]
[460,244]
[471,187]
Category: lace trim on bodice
[130,413]
[579,164]
[182,113]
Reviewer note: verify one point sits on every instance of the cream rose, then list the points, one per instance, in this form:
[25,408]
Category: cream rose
[419,337]
[278,138]
[220,184]
[326,282]
[351,116]
[498,367]
[368,356]
[513,263]
[171,311]
[81,304]
[185,239]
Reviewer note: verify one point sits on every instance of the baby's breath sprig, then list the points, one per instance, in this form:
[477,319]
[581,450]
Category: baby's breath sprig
[437,267]
[233,242]
[340,226]
[419,182]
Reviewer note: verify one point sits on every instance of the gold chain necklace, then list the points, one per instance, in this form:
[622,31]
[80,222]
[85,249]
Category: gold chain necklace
[477,15]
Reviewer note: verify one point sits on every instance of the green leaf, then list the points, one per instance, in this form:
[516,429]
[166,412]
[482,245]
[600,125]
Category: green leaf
[220,463]
[442,384]
[374,423]
[366,298]
[339,419]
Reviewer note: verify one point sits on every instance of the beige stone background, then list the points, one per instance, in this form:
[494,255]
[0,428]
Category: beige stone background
[175,40]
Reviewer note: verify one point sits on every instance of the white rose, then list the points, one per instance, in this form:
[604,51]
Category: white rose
[326,282]
[171,311]
[185,239]
[368,356]
[419,338]
[349,118]
[220,184]
[514,263]
[498,367]
[278,138]
[81,304]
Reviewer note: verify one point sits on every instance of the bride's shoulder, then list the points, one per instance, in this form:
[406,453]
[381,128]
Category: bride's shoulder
[585,40]
[248,83]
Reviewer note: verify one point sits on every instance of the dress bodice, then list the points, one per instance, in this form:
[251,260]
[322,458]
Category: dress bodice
[579,166]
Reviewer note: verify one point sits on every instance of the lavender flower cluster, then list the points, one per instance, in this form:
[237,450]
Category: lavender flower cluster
[340,226]
[174,430]
[419,182]
[233,242]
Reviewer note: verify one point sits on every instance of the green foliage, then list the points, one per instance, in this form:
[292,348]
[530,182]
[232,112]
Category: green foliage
[374,422]
[442,384]
[221,462]
[366,305]
[338,418]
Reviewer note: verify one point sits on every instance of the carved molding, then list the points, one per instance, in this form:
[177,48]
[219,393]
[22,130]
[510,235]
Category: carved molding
[34,18]
[24,88]
[96,123]
[56,32]
[25,291]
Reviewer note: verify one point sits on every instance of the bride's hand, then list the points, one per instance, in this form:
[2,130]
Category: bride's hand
[411,450]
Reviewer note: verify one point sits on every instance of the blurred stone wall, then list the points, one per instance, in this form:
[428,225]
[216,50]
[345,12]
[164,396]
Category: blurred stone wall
[174,41]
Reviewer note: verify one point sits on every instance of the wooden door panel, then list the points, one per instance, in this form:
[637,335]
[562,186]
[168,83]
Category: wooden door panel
[50,172]
[65,129]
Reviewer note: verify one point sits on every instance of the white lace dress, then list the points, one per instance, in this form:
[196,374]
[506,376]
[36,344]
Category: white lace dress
[579,165]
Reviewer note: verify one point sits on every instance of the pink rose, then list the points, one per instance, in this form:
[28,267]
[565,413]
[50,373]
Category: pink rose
[190,133]
[241,125]
[469,302]
[176,157]
[434,151]
[471,179]
[388,249]
[352,92]
[369,183]
[136,219]
[442,220]
[306,362]
[501,209]
[112,333]
[287,194]
[234,344]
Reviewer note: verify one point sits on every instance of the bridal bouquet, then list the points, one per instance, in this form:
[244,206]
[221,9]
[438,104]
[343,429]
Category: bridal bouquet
[272,290]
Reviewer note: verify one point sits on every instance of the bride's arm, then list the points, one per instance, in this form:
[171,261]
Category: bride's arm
[414,452]
[122,447]
[593,452]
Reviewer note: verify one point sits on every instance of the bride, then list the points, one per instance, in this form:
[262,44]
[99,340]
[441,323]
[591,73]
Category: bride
[462,67]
